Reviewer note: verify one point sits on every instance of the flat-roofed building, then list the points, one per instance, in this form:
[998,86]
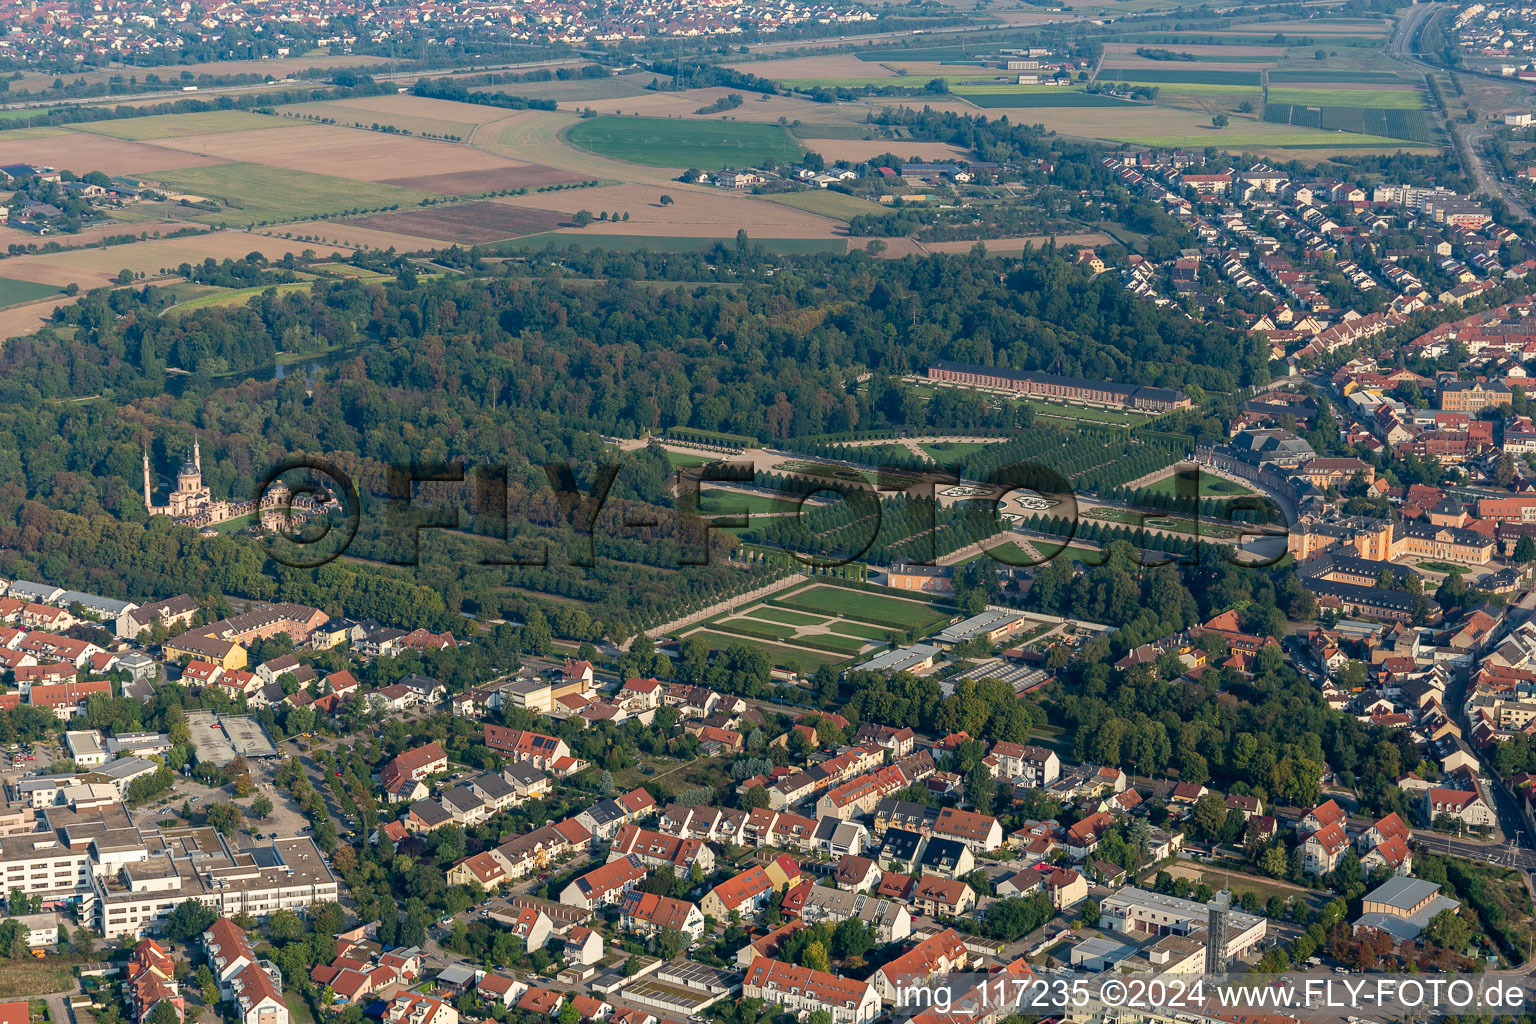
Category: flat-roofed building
[1134,911]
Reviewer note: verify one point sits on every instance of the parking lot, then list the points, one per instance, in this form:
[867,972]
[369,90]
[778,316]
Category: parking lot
[220,739]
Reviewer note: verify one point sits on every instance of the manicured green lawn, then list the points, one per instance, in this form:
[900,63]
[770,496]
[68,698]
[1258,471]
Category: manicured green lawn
[751,627]
[1210,487]
[858,629]
[947,452]
[803,662]
[662,142]
[868,607]
[720,502]
[785,616]
[680,459]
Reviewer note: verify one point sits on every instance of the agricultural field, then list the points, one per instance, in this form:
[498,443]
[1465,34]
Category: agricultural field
[253,193]
[419,115]
[93,268]
[426,165]
[1392,122]
[82,152]
[464,223]
[857,150]
[577,89]
[14,292]
[1191,75]
[1357,96]
[171,126]
[1031,96]
[694,212]
[686,105]
[666,143]
[826,203]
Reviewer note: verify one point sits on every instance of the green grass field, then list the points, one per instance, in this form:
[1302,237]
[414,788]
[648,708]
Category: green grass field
[803,662]
[680,459]
[1398,99]
[1210,487]
[1324,75]
[667,243]
[785,616]
[826,203]
[171,126]
[858,629]
[661,142]
[833,642]
[14,292]
[236,296]
[1091,413]
[254,193]
[718,502]
[946,452]
[867,607]
[750,627]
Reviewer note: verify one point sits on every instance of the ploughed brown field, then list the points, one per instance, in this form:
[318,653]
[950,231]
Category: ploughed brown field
[465,223]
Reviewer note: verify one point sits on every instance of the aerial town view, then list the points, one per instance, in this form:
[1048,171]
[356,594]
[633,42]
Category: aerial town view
[762,512]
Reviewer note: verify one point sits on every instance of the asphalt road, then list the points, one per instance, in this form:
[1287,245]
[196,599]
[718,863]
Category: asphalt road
[1469,138]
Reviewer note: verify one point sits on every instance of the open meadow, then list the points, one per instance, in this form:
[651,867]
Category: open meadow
[668,143]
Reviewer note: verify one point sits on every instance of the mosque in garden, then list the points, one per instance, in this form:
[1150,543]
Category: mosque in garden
[193,504]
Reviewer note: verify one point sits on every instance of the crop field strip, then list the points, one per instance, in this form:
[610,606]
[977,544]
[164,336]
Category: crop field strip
[1022,97]
[1385,99]
[1180,76]
[1391,123]
[661,142]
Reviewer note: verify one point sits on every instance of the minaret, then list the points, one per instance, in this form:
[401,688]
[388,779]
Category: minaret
[148,503]
[197,456]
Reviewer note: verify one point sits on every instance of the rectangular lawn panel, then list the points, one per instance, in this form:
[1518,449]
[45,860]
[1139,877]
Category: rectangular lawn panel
[860,630]
[833,642]
[867,607]
[14,292]
[803,662]
[748,627]
[253,193]
[662,142]
[785,616]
